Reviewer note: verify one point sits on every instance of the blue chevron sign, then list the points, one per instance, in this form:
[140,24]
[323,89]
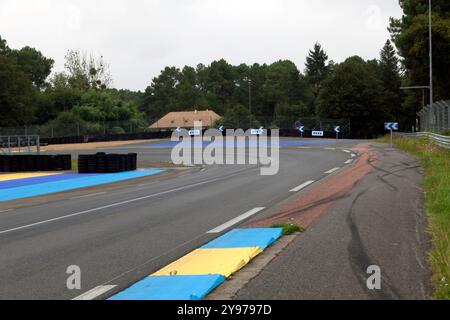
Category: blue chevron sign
[391,126]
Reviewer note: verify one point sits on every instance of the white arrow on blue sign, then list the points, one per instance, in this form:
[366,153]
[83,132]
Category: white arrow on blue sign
[337,129]
[221,128]
[301,129]
[391,126]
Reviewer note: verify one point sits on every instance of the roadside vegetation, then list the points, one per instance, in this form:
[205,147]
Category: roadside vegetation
[436,162]
[289,228]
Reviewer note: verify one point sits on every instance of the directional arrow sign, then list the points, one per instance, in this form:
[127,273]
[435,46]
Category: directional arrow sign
[391,126]
[301,129]
[221,128]
[337,129]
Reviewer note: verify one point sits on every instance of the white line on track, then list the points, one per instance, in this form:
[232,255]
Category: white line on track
[236,220]
[349,161]
[7,210]
[330,148]
[302,186]
[332,170]
[94,293]
[108,206]
[88,195]
[347,151]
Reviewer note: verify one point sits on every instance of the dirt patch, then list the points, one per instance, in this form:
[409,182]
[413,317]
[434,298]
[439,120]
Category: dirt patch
[308,207]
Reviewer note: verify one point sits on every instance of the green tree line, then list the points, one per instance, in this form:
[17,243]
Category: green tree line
[366,92]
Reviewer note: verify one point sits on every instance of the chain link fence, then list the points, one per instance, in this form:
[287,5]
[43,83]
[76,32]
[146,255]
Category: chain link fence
[61,129]
[436,118]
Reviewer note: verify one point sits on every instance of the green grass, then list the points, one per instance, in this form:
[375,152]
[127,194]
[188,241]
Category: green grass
[289,228]
[74,164]
[436,162]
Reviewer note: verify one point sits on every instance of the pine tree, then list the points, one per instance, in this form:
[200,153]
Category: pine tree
[391,77]
[317,69]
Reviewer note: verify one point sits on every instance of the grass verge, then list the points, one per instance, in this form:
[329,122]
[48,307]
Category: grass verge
[74,164]
[289,228]
[436,162]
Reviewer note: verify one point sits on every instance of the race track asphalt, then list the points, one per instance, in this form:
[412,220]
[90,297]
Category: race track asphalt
[118,236]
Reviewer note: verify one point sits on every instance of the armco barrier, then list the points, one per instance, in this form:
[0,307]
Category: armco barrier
[106,163]
[31,163]
[440,140]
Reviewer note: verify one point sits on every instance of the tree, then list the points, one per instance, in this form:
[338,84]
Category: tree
[238,117]
[17,94]
[34,65]
[316,68]
[87,72]
[410,35]
[284,84]
[157,100]
[392,80]
[4,49]
[352,91]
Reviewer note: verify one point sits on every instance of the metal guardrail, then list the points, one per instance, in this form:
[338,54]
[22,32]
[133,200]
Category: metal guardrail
[440,140]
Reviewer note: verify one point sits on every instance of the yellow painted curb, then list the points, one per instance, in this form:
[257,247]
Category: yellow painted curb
[210,261]
[15,176]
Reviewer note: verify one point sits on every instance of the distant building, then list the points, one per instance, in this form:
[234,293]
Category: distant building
[185,119]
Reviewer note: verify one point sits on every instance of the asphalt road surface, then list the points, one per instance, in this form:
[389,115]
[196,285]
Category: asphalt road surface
[381,222]
[120,235]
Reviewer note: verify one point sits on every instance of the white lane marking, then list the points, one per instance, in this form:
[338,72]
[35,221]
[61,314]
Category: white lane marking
[108,206]
[347,151]
[7,210]
[88,195]
[332,170]
[305,147]
[236,220]
[330,148]
[349,161]
[94,293]
[302,186]
[353,155]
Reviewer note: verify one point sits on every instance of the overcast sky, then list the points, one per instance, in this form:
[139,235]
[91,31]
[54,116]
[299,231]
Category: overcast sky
[138,38]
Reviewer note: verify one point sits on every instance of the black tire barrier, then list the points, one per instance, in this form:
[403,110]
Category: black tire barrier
[107,163]
[32,163]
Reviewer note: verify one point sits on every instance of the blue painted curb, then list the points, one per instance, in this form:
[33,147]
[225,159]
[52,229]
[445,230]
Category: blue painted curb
[171,288]
[60,186]
[244,238]
[35,180]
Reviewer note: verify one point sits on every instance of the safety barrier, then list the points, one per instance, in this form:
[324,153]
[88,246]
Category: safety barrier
[106,163]
[31,162]
[440,140]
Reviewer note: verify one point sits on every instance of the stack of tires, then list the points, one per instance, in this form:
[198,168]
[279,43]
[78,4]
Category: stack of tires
[31,163]
[107,163]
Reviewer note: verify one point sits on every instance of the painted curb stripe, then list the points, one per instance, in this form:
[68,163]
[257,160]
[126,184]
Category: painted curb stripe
[211,261]
[242,238]
[15,176]
[30,181]
[171,288]
[59,186]
[196,274]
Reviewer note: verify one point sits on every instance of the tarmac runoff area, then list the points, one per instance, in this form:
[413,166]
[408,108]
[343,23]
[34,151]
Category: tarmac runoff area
[144,215]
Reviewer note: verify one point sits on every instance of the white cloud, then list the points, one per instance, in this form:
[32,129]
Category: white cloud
[140,37]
